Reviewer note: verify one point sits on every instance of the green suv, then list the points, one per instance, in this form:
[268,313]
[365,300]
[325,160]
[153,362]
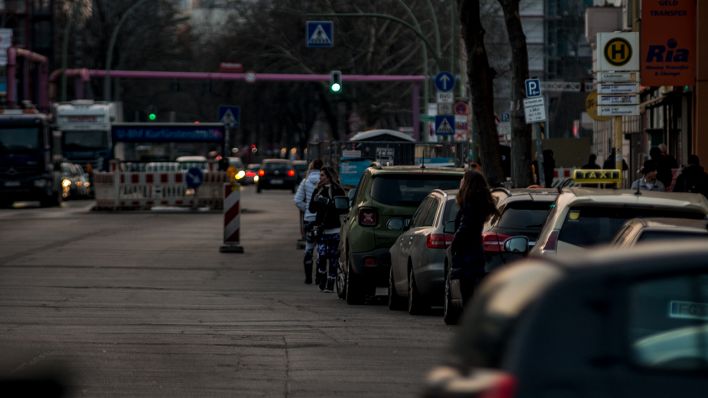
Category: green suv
[381,207]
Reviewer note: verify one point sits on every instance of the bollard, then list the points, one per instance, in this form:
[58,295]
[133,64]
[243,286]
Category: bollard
[232,219]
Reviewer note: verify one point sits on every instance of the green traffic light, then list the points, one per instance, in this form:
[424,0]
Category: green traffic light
[335,87]
[152,116]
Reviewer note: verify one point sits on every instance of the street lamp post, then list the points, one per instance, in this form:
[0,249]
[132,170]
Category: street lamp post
[111,44]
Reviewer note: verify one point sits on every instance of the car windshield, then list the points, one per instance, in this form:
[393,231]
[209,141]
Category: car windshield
[650,236]
[276,166]
[85,139]
[525,215]
[588,226]
[19,138]
[410,190]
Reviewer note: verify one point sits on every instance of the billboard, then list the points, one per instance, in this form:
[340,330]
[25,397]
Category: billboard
[668,42]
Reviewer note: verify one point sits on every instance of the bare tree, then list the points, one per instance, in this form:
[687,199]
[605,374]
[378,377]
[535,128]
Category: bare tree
[481,78]
[521,132]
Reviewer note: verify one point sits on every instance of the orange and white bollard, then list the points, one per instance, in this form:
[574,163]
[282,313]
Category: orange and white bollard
[232,219]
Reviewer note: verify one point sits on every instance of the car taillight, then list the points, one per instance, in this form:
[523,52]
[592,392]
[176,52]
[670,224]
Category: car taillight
[250,174]
[493,242]
[291,173]
[368,217]
[552,242]
[439,241]
[261,173]
[503,387]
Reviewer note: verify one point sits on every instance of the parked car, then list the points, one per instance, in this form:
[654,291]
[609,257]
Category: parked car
[642,230]
[521,212]
[276,174]
[250,175]
[610,323]
[300,169]
[417,257]
[586,217]
[381,206]
[74,182]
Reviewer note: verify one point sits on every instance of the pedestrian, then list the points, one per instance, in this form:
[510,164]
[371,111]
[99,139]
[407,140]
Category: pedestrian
[665,163]
[549,165]
[692,178]
[302,200]
[592,163]
[476,206]
[649,182]
[611,163]
[327,227]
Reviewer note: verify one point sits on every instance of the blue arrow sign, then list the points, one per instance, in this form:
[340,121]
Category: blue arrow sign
[194,177]
[319,34]
[230,115]
[444,81]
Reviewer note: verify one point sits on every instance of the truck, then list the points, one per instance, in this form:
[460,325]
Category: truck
[30,163]
[85,128]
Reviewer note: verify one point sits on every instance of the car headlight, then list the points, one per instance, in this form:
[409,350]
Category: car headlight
[240,175]
[41,183]
[66,183]
[255,179]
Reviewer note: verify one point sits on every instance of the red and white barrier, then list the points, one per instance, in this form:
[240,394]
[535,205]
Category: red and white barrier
[232,220]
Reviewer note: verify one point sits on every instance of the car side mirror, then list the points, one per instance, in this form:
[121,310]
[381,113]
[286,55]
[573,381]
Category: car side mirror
[516,244]
[341,202]
[449,227]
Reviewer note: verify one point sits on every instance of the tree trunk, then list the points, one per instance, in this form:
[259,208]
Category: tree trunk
[480,77]
[520,131]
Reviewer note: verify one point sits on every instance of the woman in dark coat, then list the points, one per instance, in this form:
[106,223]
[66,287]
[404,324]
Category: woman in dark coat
[476,206]
[327,222]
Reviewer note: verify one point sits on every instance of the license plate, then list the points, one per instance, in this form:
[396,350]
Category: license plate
[276,182]
[12,183]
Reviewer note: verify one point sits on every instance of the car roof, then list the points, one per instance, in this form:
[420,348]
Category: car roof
[275,160]
[671,224]
[626,196]
[660,255]
[449,194]
[195,158]
[376,170]
[299,161]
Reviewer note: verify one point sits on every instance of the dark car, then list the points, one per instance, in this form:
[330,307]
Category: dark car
[418,255]
[521,212]
[381,208]
[300,169]
[74,182]
[276,174]
[611,323]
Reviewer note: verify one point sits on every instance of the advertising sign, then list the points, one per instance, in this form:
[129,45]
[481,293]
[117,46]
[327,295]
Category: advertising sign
[668,42]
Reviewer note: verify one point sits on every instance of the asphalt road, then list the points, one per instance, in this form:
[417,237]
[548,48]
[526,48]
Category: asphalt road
[143,304]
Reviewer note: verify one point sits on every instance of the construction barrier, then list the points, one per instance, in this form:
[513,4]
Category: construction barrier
[141,187]
[232,219]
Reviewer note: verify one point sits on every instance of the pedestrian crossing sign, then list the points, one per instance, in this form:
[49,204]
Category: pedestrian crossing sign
[445,125]
[319,34]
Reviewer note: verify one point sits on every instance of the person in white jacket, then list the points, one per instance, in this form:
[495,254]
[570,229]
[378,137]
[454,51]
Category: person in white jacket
[302,199]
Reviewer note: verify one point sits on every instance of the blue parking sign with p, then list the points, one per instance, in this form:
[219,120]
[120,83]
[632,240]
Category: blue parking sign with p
[533,88]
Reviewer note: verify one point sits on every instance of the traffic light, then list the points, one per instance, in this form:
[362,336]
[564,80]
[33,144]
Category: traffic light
[335,81]
[152,116]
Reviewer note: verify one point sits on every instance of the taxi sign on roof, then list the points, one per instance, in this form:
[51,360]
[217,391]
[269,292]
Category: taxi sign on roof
[597,176]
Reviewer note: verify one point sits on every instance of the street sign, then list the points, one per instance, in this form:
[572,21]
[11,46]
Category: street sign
[591,107]
[445,108]
[319,34]
[461,108]
[617,77]
[194,177]
[505,117]
[445,97]
[444,81]
[445,125]
[617,51]
[632,99]
[619,110]
[534,110]
[618,88]
[533,88]
[230,115]
[561,87]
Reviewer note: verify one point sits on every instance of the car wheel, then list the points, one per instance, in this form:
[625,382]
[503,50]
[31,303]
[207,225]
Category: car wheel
[416,305]
[293,189]
[354,294]
[450,312]
[6,204]
[258,189]
[395,302]
[51,201]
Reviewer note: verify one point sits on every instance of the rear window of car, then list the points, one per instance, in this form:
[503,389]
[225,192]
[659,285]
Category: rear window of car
[650,236]
[588,226]
[409,190]
[525,215]
[276,166]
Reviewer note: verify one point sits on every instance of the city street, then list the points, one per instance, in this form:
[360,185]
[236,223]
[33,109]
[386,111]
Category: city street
[143,304]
